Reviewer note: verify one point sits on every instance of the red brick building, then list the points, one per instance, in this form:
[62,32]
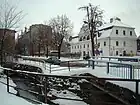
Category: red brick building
[9,39]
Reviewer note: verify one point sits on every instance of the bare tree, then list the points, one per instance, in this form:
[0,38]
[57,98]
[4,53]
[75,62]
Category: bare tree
[62,29]
[43,38]
[9,19]
[94,20]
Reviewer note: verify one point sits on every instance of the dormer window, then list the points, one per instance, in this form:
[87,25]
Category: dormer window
[130,33]
[123,32]
[80,39]
[99,34]
[117,32]
[88,37]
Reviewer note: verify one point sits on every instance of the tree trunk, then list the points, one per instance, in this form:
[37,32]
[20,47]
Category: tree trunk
[32,49]
[59,47]
[92,38]
[39,50]
[47,54]
[59,52]
[92,44]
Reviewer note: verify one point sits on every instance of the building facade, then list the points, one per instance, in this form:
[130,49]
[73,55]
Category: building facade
[36,39]
[9,39]
[113,39]
[138,44]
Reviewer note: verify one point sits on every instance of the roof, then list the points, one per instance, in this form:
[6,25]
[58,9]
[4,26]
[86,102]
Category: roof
[138,37]
[84,30]
[74,39]
[2,29]
[105,33]
[115,22]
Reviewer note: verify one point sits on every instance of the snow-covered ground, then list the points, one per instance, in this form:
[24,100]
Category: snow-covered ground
[66,94]
[10,99]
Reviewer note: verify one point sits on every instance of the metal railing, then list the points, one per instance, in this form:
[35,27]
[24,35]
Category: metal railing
[121,58]
[64,65]
[128,70]
[44,83]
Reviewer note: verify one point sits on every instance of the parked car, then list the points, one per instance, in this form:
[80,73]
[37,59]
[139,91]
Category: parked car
[53,60]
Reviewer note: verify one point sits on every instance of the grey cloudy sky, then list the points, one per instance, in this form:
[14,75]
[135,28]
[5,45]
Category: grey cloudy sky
[41,10]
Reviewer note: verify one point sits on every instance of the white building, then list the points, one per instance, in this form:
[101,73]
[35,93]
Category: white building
[114,38]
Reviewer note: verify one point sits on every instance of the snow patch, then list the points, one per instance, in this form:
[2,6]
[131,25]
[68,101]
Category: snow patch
[66,94]
[9,99]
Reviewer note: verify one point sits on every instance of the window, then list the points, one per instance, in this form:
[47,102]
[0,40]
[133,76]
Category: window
[98,44]
[123,32]
[78,46]
[80,39]
[84,38]
[99,34]
[124,53]
[88,53]
[117,53]
[124,43]
[75,47]
[117,43]
[87,45]
[84,45]
[130,33]
[88,37]
[104,43]
[117,32]
[84,53]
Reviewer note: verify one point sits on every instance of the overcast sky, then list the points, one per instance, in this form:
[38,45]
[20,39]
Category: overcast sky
[40,10]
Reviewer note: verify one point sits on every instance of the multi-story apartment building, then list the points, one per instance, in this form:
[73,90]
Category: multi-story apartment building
[113,39]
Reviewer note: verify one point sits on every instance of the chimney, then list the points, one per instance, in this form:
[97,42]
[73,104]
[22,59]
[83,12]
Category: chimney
[114,19]
[25,29]
[111,20]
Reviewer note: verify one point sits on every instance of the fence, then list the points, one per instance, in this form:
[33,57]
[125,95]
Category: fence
[44,84]
[64,65]
[121,58]
[127,70]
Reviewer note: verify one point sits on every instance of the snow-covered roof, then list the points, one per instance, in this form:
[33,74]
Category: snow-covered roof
[74,39]
[114,22]
[138,37]
[84,31]
[105,33]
